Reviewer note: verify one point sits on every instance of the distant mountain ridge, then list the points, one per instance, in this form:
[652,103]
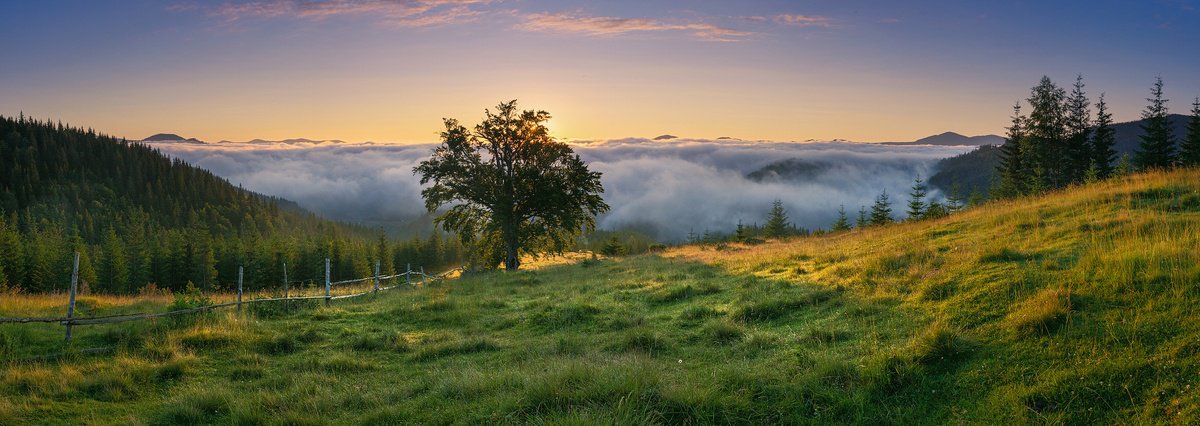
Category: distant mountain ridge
[953,139]
[170,137]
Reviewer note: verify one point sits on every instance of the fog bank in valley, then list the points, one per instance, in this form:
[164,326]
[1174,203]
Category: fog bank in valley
[667,187]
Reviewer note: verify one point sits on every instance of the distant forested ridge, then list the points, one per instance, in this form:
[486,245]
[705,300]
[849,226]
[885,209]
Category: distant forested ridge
[976,170]
[138,218]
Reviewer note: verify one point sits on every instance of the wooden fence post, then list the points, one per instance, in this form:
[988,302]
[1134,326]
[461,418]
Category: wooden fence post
[71,303]
[408,274]
[285,286]
[422,276]
[239,309]
[327,300]
[376,276]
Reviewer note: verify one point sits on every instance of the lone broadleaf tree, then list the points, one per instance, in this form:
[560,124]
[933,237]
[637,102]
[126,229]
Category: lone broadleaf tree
[510,187]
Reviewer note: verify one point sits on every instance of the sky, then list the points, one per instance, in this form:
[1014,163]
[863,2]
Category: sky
[390,71]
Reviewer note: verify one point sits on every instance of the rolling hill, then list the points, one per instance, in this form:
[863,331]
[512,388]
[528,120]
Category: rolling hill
[143,220]
[1076,307]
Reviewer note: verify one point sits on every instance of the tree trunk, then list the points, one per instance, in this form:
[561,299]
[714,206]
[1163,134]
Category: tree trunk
[512,259]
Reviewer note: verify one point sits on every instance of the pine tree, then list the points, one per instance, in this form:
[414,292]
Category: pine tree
[1046,133]
[935,210]
[1189,152]
[881,212]
[777,221]
[1103,140]
[740,233]
[916,199]
[113,274]
[1012,169]
[862,221]
[843,222]
[1079,122]
[1157,150]
[954,201]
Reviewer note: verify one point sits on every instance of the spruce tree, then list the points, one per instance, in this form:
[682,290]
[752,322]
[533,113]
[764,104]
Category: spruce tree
[777,221]
[1011,168]
[113,274]
[740,233]
[1103,139]
[862,221]
[1045,136]
[1079,122]
[935,210]
[1157,150]
[843,222]
[954,201]
[881,211]
[1189,149]
[916,199]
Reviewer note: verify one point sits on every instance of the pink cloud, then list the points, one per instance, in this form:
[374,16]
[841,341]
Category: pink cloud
[604,26]
[804,20]
[408,13]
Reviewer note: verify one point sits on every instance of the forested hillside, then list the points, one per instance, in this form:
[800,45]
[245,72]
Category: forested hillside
[140,218]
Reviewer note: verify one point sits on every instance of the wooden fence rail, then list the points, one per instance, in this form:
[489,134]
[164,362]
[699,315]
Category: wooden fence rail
[70,320]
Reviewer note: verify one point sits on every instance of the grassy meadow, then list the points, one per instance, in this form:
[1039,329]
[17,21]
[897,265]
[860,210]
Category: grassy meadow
[1079,307]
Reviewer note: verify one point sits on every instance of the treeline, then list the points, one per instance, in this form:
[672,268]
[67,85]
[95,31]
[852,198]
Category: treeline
[140,219]
[1060,144]
[777,225]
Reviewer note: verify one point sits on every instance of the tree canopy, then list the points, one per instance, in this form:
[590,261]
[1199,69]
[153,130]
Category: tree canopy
[507,187]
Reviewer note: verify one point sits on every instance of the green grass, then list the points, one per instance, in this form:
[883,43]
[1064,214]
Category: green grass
[1076,308]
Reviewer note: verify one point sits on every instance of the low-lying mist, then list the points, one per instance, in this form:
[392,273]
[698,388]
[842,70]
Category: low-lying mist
[666,188]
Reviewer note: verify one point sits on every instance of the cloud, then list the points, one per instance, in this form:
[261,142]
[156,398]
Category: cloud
[605,26]
[405,13]
[803,20]
[666,187]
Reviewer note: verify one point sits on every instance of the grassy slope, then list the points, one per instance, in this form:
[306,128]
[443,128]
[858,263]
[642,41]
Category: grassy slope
[1079,307]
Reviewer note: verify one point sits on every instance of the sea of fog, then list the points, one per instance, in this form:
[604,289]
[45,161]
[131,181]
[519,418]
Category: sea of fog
[669,188]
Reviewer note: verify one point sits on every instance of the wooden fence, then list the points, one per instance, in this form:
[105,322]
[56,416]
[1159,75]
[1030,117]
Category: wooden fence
[71,320]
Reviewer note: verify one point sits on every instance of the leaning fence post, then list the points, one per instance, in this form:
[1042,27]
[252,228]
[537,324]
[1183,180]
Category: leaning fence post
[422,276]
[71,303]
[239,290]
[285,286]
[327,300]
[408,274]
[376,276]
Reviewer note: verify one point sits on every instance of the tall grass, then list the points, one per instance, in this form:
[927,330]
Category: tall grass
[1079,306]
